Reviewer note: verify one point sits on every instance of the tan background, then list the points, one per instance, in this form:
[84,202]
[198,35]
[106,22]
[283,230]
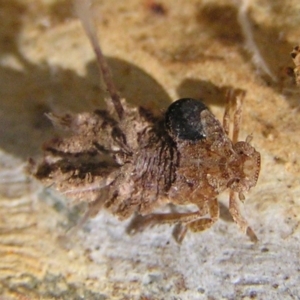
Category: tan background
[188,49]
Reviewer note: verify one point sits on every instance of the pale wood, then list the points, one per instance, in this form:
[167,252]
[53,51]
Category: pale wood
[196,49]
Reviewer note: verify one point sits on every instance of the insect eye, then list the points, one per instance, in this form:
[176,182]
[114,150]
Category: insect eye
[183,119]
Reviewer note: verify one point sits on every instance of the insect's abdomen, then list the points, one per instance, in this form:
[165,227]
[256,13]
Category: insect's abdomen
[150,174]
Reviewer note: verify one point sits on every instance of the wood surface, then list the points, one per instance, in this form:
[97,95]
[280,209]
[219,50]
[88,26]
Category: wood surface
[158,51]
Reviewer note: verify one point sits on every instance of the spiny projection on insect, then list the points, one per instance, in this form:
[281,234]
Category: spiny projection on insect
[130,162]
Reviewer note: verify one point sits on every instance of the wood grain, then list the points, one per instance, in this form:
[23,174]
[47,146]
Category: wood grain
[188,49]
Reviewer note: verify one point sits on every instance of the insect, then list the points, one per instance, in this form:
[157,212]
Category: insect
[131,162]
[295,54]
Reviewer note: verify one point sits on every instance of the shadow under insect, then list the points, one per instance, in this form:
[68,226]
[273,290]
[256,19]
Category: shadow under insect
[27,95]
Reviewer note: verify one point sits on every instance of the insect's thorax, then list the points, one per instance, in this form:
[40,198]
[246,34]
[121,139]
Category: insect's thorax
[206,169]
[202,173]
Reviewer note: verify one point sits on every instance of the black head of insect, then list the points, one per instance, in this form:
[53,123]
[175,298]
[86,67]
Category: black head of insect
[182,120]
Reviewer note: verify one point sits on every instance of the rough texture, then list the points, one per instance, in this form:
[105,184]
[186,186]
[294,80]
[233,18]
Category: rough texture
[158,53]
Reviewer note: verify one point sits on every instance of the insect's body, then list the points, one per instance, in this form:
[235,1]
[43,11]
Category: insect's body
[129,161]
[141,163]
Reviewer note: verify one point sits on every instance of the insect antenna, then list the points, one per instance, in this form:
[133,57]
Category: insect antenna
[82,8]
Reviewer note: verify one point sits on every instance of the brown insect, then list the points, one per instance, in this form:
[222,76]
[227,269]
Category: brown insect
[131,162]
[296,58]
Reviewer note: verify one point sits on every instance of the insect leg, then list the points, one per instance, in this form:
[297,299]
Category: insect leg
[238,218]
[205,223]
[237,116]
[139,223]
[83,11]
[234,102]
[93,209]
[179,232]
[226,117]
